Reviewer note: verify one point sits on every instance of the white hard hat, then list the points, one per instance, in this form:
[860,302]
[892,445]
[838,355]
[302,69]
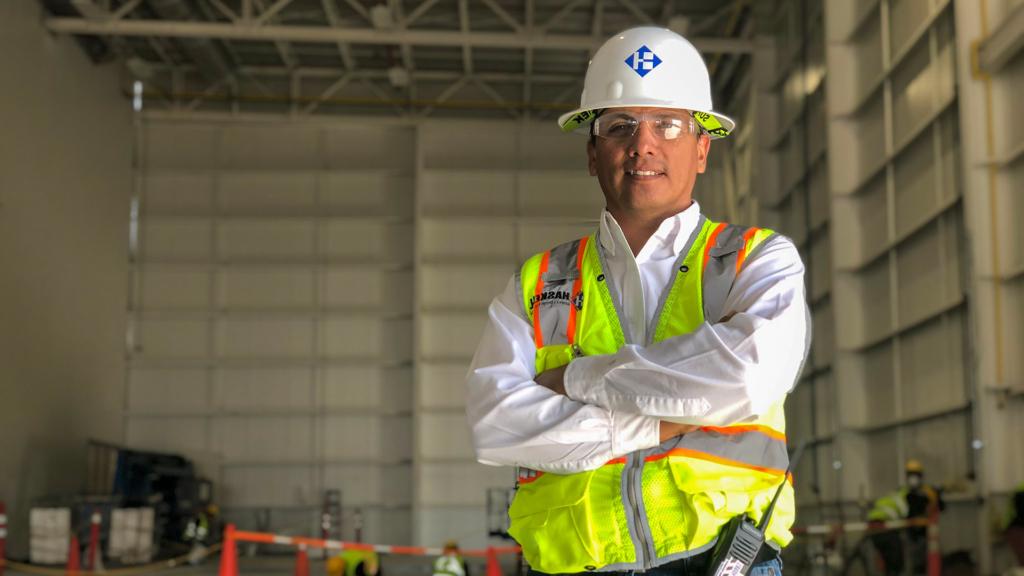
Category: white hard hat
[647,67]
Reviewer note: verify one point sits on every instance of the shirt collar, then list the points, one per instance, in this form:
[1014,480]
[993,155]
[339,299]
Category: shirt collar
[672,234]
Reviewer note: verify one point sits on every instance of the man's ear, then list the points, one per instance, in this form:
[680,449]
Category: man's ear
[591,157]
[703,148]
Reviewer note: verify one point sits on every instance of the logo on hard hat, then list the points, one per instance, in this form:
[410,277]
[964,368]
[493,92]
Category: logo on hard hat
[643,61]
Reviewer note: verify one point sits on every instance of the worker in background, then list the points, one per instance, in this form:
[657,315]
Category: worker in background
[914,500]
[636,376]
[1015,525]
[201,530]
[450,562]
[350,562]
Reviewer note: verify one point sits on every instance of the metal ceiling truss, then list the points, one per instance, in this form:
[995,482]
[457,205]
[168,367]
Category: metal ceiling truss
[515,57]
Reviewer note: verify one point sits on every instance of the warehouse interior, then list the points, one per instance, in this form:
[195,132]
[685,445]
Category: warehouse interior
[262,236]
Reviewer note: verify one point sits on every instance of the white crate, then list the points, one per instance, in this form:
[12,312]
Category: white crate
[131,535]
[49,535]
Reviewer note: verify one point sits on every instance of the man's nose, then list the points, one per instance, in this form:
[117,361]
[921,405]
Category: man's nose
[644,141]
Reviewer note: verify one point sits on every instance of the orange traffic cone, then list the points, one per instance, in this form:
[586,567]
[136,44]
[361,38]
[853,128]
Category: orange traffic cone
[228,553]
[74,561]
[493,567]
[301,562]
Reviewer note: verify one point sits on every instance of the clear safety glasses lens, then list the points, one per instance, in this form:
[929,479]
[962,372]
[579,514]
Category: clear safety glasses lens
[618,126]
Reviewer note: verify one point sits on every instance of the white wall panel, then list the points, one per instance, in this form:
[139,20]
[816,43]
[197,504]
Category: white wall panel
[269,147]
[359,286]
[259,238]
[934,353]
[366,438]
[174,287]
[455,286]
[270,487]
[367,147]
[494,241]
[266,438]
[569,193]
[370,485]
[537,237]
[256,338]
[437,524]
[367,337]
[468,193]
[265,288]
[364,387]
[168,390]
[272,193]
[450,335]
[368,288]
[176,239]
[172,338]
[442,385]
[444,436]
[246,389]
[183,145]
[376,240]
[461,484]
[179,192]
[365,193]
[164,434]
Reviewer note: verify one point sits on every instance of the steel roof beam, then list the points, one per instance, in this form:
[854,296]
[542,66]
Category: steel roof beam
[325,34]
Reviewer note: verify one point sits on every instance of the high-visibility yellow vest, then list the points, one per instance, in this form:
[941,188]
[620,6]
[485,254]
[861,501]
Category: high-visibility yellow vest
[346,562]
[668,502]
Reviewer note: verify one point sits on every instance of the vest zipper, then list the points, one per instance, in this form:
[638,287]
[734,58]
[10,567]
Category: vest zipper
[635,495]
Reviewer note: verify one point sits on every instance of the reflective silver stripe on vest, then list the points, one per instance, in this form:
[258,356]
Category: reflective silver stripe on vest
[720,272]
[748,448]
[751,448]
[556,295]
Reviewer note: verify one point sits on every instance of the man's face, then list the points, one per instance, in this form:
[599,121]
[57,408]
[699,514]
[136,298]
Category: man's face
[645,175]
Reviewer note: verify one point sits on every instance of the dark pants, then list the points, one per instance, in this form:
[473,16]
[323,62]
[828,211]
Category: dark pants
[1015,538]
[696,566]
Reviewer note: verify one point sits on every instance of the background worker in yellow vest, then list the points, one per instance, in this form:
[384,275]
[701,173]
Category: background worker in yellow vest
[450,562]
[351,562]
[636,377]
[915,499]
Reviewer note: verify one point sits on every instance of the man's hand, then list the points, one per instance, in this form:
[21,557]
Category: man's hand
[671,429]
[553,379]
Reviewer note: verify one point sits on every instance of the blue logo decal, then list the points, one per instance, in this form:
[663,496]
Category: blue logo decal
[643,61]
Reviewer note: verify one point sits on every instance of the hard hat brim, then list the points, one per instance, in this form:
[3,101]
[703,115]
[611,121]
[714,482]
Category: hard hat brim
[716,124]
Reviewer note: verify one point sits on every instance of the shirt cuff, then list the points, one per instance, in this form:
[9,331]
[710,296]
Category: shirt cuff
[632,432]
[584,379]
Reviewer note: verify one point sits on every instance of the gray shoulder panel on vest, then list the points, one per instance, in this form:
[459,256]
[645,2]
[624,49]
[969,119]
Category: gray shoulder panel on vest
[720,271]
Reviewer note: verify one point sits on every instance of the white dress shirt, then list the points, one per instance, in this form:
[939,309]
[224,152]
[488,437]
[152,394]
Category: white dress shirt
[721,373]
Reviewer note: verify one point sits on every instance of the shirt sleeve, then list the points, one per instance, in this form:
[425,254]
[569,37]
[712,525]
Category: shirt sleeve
[515,421]
[722,373]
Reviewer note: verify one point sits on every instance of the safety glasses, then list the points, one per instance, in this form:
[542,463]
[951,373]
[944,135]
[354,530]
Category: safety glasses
[624,125]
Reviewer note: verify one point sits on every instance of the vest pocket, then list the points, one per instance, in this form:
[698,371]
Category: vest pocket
[551,518]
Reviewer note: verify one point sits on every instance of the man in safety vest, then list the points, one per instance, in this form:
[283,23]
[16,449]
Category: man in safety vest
[636,377]
[351,562]
[914,500]
[450,562]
